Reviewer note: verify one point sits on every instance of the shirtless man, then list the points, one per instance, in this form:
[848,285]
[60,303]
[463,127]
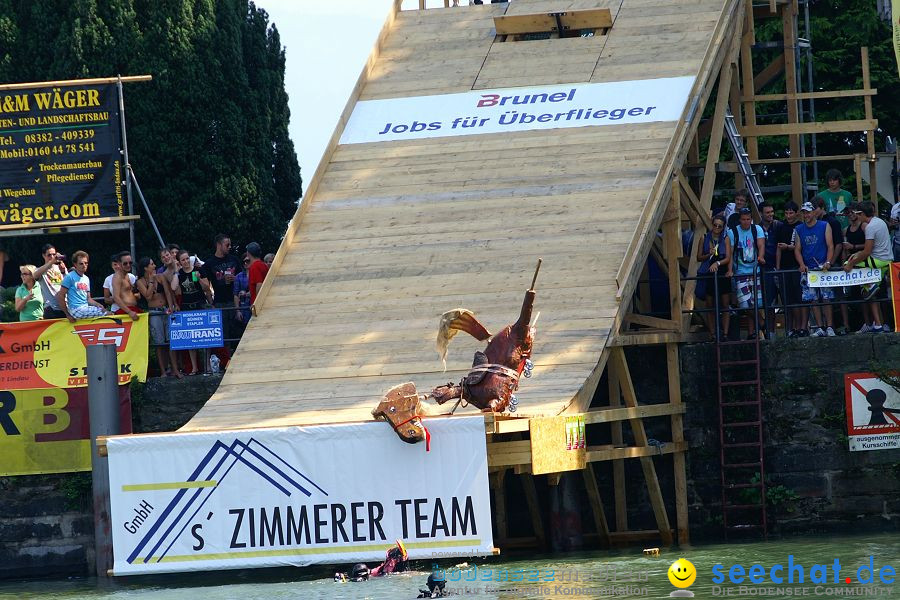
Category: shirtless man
[168,271]
[122,288]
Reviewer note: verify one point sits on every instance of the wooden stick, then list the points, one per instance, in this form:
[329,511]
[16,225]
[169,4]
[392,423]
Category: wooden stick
[94,81]
[536,271]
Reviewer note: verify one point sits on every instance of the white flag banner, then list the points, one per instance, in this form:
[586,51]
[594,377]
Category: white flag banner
[518,109]
[841,278]
[297,496]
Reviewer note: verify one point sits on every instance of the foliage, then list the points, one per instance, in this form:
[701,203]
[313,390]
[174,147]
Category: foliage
[207,137]
[777,496]
[838,29]
[77,488]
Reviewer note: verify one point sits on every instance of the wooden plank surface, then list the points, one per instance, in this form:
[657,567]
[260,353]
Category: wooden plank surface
[393,234]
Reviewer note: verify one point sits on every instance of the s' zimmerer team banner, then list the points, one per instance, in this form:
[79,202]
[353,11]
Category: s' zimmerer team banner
[297,496]
[52,353]
[59,154]
[518,109]
[48,431]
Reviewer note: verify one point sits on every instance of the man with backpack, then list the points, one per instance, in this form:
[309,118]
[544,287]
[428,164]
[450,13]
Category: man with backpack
[748,242]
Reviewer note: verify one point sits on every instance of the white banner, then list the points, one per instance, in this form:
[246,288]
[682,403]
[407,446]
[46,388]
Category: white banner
[841,278]
[518,109]
[297,496]
[873,412]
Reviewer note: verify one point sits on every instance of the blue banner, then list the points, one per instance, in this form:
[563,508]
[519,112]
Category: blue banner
[197,329]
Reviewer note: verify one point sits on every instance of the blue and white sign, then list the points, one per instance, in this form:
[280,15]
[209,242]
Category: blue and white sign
[197,329]
[518,109]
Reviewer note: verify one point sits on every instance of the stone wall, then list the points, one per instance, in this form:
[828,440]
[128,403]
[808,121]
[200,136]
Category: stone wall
[816,483]
[46,521]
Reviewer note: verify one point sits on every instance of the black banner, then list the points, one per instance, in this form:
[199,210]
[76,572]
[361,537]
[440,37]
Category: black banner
[60,154]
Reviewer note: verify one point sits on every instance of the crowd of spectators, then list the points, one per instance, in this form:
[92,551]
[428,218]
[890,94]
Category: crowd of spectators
[763,267]
[179,281]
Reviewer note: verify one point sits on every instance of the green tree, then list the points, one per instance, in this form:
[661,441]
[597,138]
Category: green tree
[207,137]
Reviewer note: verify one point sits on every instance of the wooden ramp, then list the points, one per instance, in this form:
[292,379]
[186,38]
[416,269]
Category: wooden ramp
[391,234]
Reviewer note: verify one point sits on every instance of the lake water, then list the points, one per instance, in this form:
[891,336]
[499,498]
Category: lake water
[637,576]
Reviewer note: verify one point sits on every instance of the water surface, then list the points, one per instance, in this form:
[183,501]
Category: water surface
[637,576]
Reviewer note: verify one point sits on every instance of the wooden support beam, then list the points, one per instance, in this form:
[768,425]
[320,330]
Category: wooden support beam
[870,133]
[644,338]
[789,31]
[648,321]
[605,453]
[615,402]
[689,198]
[673,250]
[496,481]
[673,369]
[617,358]
[611,415]
[747,82]
[810,127]
[593,492]
[769,74]
[534,509]
[508,454]
[809,95]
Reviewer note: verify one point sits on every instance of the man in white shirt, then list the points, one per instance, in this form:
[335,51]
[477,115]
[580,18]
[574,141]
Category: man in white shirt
[875,254]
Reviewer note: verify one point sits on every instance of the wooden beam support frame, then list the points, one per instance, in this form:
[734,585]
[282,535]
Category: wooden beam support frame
[618,362]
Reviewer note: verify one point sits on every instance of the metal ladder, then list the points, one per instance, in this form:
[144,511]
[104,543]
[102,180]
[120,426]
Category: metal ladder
[742,158]
[741,457]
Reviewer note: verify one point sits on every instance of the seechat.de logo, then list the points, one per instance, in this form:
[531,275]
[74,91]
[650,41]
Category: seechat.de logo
[682,575]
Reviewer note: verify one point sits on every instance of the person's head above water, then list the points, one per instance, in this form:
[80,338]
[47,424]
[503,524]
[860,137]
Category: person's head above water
[359,572]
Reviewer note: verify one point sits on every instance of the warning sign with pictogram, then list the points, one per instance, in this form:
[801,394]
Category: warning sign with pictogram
[873,412]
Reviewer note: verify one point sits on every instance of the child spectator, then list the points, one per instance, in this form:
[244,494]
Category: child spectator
[837,200]
[241,296]
[159,301]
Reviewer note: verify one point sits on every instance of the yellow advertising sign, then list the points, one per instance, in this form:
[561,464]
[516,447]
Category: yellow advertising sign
[53,353]
[48,431]
[895,17]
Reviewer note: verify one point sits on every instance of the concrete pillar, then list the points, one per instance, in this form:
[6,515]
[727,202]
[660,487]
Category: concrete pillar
[103,402]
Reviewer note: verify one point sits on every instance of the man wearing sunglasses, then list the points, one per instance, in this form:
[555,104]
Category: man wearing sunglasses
[123,286]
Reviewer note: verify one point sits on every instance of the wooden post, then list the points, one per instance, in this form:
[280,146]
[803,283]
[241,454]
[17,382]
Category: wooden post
[534,509]
[870,133]
[788,13]
[681,506]
[593,492]
[672,247]
[496,480]
[617,358]
[748,88]
[617,439]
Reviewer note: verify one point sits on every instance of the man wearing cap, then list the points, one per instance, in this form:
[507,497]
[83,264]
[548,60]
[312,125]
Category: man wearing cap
[876,254]
[814,250]
[748,242]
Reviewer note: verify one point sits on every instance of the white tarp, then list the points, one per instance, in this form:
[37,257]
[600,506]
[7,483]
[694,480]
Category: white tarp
[518,109]
[297,496]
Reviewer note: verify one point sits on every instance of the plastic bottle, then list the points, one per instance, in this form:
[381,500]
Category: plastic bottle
[214,363]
